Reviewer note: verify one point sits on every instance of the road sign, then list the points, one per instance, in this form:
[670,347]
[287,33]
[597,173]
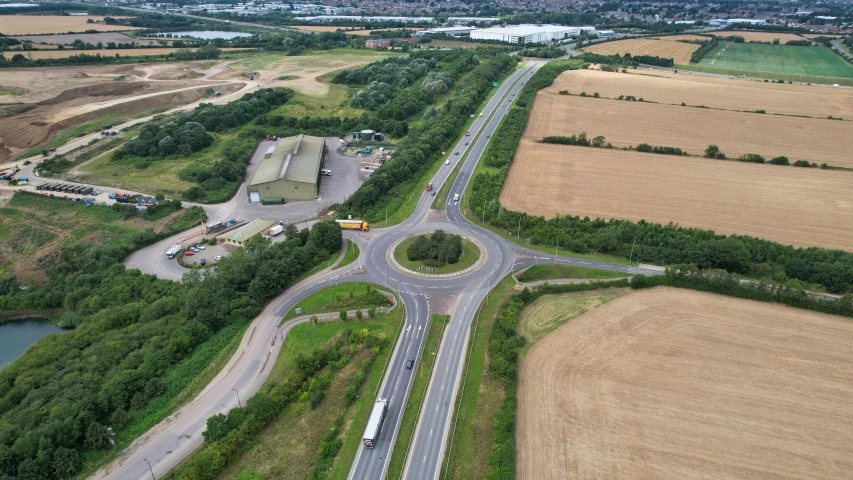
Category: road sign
[494,84]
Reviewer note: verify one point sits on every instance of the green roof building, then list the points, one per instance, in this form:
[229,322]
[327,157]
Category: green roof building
[240,235]
[289,170]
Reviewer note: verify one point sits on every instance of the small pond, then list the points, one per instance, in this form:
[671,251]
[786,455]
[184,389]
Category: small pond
[17,336]
[207,34]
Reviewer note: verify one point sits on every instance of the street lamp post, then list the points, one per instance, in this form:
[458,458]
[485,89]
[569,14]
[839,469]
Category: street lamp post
[239,403]
[150,469]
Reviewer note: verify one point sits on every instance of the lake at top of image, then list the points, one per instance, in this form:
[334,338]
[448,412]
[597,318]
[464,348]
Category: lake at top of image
[18,335]
[207,34]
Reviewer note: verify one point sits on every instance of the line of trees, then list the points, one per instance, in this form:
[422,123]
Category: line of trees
[706,47]
[394,181]
[627,60]
[131,352]
[542,52]
[663,244]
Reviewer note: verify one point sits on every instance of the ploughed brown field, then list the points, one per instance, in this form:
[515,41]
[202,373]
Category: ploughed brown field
[713,92]
[669,383]
[797,206]
[43,24]
[678,51]
[766,37]
[626,123]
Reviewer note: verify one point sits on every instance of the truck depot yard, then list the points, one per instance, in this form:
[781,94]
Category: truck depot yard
[678,51]
[799,206]
[669,383]
[713,92]
[786,59]
[693,129]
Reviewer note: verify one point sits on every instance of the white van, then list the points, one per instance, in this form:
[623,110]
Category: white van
[456,197]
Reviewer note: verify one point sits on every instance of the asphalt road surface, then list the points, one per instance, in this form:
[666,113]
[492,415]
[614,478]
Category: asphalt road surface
[172,440]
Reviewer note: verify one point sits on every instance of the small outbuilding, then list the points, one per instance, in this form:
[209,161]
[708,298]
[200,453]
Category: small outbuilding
[290,170]
[240,235]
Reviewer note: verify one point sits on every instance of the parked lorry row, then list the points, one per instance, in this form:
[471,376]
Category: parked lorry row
[8,173]
[65,188]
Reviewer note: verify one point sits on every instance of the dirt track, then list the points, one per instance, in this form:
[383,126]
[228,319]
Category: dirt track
[714,92]
[669,383]
[803,207]
[693,129]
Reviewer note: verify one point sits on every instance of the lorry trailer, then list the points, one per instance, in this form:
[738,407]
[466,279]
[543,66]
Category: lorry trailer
[353,225]
[374,424]
[276,230]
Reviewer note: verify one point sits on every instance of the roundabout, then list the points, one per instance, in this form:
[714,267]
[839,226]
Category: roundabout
[472,256]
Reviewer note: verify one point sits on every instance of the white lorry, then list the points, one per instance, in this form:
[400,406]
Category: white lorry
[174,251]
[276,229]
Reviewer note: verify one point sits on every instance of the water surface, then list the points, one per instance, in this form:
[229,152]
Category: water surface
[18,335]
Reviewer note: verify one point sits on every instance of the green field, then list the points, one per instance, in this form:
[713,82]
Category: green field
[818,61]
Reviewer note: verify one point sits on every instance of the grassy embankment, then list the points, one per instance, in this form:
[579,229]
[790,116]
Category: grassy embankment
[287,448]
[345,296]
[470,254]
[351,255]
[553,272]
[417,395]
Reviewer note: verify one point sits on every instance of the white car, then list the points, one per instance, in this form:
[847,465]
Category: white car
[194,249]
[218,257]
[200,246]
[447,162]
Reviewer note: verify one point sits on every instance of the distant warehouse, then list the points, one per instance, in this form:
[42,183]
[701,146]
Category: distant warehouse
[290,170]
[522,34]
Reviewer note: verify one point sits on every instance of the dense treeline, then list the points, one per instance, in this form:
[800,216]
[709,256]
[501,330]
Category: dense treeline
[662,244]
[706,47]
[394,181]
[189,133]
[328,126]
[206,52]
[543,52]
[134,334]
[436,250]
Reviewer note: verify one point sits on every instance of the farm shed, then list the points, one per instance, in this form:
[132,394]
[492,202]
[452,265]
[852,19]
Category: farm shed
[290,170]
[241,235]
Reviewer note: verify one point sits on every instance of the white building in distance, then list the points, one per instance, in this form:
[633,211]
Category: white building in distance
[522,34]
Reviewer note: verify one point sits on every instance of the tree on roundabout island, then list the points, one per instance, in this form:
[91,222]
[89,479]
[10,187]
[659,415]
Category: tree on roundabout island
[435,250]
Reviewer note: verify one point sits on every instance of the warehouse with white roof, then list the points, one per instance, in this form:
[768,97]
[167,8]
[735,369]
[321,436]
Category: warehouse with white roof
[522,34]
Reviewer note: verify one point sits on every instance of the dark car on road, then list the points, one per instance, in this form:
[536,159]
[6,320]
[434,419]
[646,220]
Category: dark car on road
[410,363]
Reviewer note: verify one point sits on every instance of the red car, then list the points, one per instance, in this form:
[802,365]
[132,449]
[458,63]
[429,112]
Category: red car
[189,253]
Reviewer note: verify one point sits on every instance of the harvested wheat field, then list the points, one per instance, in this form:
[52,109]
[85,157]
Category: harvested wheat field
[765,37]
[123,52]
[714,92]
[816,35]
[670,383]
[678,51]
[44,24]
[677,38]
[693,129]
[797,206]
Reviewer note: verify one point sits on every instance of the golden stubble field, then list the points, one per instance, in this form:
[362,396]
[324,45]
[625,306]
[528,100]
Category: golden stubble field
[678,51]
[714,92]
[669,383]
[693,129]
[44,24]
[802,207]
[765,37]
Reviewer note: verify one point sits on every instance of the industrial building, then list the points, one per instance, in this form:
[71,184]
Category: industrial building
[240,235]
[451,31]
[522,34]
[290,170]
[377,43]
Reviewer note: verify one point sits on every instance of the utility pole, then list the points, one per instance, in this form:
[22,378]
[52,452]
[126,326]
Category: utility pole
[556,250]
[386,216]
[150,469]
[386,274]
[519,228]
[632,251]
[239,403]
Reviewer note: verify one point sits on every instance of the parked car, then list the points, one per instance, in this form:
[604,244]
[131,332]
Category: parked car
[218,257]
[189,253]
[326,172]
[410,363]
[200,246]
[203,262]
[194,249]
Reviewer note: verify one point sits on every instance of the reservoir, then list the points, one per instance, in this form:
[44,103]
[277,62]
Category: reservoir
[18,335]
[207,34]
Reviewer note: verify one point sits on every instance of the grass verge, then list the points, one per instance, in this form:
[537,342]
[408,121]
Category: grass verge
[345,296]
[351,255]
[480,397]
[417,395]
[552,272]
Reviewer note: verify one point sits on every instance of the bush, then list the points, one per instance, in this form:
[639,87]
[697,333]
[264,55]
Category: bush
[713,151]
[779,161]
[804,164]
[751,158]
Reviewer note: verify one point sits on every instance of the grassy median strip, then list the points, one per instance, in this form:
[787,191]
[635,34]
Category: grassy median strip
[480,396]
[351,255]
[416,396]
